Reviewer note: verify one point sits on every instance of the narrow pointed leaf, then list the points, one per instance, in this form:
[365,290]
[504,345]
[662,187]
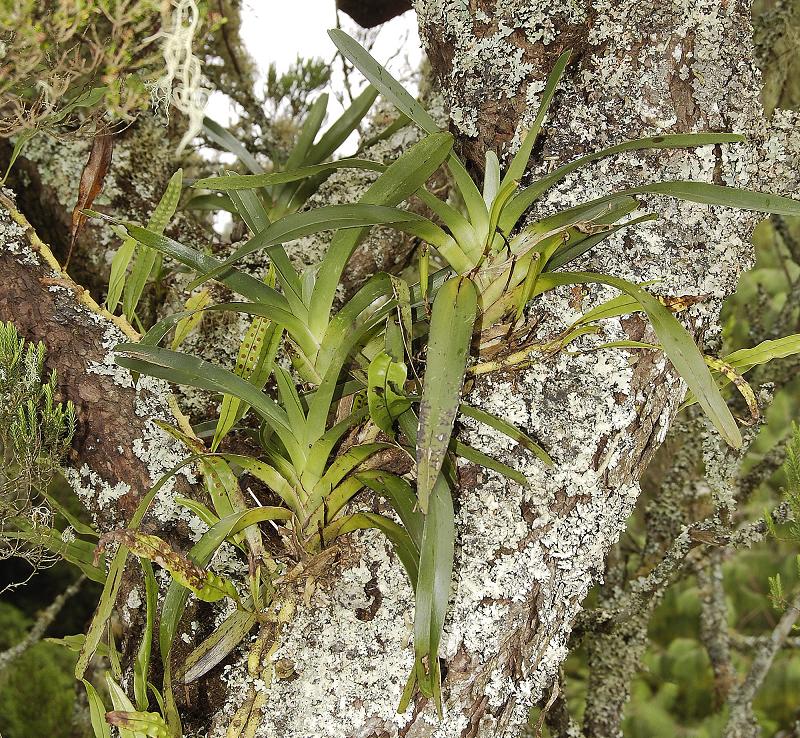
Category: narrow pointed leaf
[506,429]
[400,496]
[189,370]
[451,327]
[241,283]
[343,126]
[403,545]
[435,579]
[97,712]
[224,138]
[491,178]
[732,197]
[325,218]
[520,161]
[141,665]
[400,180]
[525,198]
[479,457]
[235,182]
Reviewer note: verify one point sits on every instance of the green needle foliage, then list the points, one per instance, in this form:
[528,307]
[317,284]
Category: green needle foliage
[35,434]
[358,392]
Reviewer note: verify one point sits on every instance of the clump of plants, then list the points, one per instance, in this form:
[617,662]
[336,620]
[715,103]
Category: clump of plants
[35,434]
[376,384]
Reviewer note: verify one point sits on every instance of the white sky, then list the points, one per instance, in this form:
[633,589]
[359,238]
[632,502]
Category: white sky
[279,31]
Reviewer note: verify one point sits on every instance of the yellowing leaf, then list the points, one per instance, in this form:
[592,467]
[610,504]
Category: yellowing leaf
[190,322]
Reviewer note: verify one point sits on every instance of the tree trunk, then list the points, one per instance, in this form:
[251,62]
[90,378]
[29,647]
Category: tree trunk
[526,557]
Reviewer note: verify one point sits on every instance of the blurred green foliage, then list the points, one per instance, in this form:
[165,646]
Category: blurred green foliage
[37,692]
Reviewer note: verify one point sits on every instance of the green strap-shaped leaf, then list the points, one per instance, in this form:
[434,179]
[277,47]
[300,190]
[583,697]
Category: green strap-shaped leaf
[574,248]
[452,323]
[194,372]
[678,345]
[491,178]
[235,182]
[141,665]
[400,496]
[766,351]
[248,204]
[524,199]
[481,459]
[343,126]
[241,283]
[731,197]
[520,161]
[211,202]
[326,218]
[459,226]
[272,477]
[119,268]
[403,545]
[522,438]
[745,359]
[401,179]
[308,132]
[198,508]
[224,138]
[393,91]
[146,257]
[97,712]
[382,80]
[433,586]
[290,400]
[349,460]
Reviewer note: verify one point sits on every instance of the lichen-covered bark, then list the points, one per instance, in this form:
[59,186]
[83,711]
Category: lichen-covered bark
[527,557]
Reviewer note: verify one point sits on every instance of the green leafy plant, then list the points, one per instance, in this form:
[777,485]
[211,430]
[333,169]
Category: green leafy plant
[358,389]
[35,434]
